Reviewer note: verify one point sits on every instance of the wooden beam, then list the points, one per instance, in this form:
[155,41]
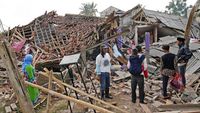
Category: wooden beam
[83,93]
[182,107]
[51,92]
[189,23]
[15,78]
[142,22]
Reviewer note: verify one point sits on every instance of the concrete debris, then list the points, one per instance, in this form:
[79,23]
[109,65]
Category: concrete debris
[188,95]
[8,109]
[13,106]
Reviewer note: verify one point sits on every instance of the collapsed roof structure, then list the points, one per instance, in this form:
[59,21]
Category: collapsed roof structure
[51,36]
[158,23]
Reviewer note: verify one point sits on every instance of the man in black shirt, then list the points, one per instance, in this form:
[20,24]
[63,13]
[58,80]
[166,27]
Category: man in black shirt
[183,55]
[168,68]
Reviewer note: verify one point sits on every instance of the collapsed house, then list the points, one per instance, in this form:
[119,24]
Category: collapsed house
[50,36]
[159,24]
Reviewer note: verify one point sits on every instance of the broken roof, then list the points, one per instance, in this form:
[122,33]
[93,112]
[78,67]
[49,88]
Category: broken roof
[172,21]
[58,35]
[168,20]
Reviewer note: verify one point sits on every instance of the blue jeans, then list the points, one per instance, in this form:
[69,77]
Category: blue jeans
[104,80]
[182,70]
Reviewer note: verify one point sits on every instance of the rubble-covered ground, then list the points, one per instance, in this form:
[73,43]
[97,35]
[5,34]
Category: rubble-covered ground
[120,90]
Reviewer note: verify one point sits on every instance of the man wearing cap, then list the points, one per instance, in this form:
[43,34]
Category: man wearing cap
[103,70]
[181,56]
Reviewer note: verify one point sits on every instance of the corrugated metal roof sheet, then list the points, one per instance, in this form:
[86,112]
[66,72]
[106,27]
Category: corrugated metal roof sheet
[156,53]
[193,68]
[172,21]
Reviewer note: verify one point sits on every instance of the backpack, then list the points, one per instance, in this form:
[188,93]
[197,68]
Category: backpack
[136,65]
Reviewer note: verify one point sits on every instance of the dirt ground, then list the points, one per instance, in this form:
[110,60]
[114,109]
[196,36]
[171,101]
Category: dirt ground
[121,100]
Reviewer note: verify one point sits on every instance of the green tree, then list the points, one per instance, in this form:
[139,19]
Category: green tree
[177,7]
[88,9]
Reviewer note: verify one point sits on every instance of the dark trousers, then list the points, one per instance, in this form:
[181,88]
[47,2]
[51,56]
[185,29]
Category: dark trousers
[182,70]
[104,80]
[165,84]
[137,80]
[105,84]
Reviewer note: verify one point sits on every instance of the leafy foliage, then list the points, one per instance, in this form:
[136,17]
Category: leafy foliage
[88,9]
[178,7]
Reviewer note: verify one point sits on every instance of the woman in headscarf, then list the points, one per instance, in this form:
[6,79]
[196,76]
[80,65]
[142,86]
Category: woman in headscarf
[29,73]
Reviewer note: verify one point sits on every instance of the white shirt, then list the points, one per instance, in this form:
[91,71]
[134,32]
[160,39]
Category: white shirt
[100,60]
[116,51]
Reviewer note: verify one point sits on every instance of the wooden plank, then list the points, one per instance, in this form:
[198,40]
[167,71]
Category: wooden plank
[40,102]
[145,108]
[82,93]
[15,78]
[49,87]
[51,92]
[178,111]
[182,107]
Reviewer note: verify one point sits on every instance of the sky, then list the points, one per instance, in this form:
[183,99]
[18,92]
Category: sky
[21,12]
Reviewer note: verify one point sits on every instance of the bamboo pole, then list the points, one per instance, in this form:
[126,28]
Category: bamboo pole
[189,23]
[83,93]
[51,92]
[49,87]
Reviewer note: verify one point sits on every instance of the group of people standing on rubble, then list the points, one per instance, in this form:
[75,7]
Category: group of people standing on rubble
[171,65]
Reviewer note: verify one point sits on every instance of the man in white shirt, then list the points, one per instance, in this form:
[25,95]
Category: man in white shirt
[103,69]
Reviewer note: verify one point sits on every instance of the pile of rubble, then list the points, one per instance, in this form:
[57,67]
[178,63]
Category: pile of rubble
[7,98]
[51,36]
